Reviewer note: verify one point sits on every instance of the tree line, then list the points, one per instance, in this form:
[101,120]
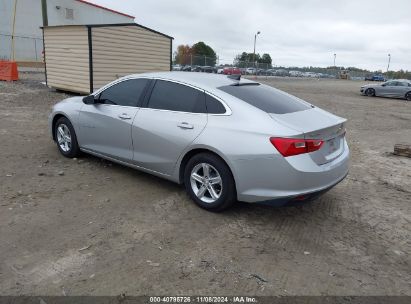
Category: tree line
[202,54]
[244,59]
[197,54]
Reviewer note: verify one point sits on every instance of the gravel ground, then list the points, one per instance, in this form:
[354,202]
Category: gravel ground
[90,227]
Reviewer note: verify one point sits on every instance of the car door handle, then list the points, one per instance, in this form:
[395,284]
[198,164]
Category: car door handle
[185,125]
[124,116]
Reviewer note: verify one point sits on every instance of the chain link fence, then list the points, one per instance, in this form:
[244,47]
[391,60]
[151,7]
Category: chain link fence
[195,60]
[26,48]
[195,63]
[30,49]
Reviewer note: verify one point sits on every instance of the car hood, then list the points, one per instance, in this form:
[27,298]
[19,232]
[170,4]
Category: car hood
[69,104]
[71,100]
[370,85]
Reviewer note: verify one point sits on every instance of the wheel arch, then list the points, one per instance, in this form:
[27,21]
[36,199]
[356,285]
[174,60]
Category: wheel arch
[54,121]
[197,150]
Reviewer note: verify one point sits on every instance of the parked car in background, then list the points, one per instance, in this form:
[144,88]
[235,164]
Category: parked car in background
[177,67]
[296,73]
[186,68]
[282,72]
[225,139]
[399,88]
[220,70]
[371,77]
[196,68]
[251,71]
[310,75]
[207,69]
[231,71]
[261,72]
[378,78]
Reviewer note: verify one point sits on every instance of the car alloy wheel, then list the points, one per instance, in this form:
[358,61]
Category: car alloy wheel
[370,92]
[408,96]
[209,182]
[206,182]
[64,138]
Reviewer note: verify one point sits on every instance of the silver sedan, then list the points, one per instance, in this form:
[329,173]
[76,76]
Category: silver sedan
[400,88]
[224,138]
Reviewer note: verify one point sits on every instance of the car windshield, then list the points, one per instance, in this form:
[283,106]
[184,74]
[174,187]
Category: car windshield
[266,98]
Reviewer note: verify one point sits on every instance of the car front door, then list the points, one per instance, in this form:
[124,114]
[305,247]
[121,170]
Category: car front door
[387,89]
[173,116]
[106,124]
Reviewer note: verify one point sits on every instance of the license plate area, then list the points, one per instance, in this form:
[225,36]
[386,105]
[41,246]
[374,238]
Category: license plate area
[333,147]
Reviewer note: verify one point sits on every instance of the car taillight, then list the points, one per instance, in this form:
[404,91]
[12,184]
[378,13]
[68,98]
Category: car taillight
[294,146]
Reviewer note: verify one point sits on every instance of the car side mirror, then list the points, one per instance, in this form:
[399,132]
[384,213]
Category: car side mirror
[383,85]
[89,99]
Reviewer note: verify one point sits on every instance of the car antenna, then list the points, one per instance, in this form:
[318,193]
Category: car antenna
[235,77]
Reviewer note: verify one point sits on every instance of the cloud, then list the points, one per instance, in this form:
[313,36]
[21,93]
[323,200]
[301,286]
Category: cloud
[293,32]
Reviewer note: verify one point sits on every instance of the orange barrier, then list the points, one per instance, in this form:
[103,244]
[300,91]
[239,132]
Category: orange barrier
[8,71]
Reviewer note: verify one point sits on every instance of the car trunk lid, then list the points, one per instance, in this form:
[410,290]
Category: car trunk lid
[315,123]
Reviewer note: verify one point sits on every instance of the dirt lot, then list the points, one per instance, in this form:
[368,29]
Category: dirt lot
[88,226]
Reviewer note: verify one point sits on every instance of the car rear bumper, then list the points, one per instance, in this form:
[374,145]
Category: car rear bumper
[298,200]
[278,180]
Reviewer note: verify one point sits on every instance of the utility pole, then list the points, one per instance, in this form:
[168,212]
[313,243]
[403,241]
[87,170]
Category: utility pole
[335,55]
[44,12]
[389,60]
[12,31]
[255,41]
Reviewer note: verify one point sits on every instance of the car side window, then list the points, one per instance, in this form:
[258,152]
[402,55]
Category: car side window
[167,95]
[391,84]
[214,106]
[125,93]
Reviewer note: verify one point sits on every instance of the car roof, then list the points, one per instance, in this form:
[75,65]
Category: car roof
[399,80]
[201,80]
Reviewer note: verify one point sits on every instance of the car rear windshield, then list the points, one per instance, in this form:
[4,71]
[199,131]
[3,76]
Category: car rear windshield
[266,98]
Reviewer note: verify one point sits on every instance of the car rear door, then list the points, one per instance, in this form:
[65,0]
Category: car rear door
[401,89]
[173,116]
[105,127]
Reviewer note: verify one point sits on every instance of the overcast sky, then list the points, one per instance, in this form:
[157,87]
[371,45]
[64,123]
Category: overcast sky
[294,32]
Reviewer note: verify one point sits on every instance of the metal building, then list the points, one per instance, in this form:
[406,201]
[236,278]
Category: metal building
[28,44]
[86,57]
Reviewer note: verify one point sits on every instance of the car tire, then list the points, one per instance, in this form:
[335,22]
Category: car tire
[66,138]
[408,96]
[209,182]
[370,92]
